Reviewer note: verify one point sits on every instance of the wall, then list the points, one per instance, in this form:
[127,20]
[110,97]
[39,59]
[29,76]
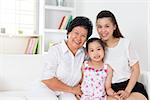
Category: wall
[132,17]
[149,35]
[149,45]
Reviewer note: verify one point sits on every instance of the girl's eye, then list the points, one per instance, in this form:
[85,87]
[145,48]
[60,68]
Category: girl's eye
[107,26]
[99,27]
[99,49]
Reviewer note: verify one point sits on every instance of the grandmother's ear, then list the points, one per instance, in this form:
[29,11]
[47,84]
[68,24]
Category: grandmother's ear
[68,36]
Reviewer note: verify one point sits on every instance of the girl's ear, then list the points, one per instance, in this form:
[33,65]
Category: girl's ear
[86,53]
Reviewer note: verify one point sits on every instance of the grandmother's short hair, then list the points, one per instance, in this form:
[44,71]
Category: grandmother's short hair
[81,21]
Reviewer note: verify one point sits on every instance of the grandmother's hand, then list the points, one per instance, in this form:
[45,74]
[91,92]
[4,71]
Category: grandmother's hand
[77,90]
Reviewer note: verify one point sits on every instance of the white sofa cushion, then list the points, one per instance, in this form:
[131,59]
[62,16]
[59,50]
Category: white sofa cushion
[12,95]
[12,98]
[19,72]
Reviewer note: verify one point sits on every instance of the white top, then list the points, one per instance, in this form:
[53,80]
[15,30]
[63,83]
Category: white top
[61,63]
[121,58]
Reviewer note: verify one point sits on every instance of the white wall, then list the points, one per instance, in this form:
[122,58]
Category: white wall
[132,17]
[149,44]
[149,35]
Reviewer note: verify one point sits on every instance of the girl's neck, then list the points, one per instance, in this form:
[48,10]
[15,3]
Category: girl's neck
[96,64]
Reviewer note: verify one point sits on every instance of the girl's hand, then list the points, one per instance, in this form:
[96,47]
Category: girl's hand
[111,92]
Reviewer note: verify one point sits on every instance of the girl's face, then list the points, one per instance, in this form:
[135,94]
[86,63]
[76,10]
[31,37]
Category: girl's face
[77,37]
[105,28]
[95,51]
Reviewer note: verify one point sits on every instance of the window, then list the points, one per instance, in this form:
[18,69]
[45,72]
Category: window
[18,16]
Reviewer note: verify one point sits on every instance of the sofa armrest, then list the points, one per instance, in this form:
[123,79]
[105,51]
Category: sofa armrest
[144,78]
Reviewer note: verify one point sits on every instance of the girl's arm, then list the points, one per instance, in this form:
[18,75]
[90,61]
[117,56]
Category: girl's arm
[108,82]
[79,95]
[82,69]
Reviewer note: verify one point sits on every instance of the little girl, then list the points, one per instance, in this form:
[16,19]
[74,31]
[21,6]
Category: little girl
[97,75]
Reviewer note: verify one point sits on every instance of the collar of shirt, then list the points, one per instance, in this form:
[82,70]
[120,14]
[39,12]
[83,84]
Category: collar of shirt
[65,48]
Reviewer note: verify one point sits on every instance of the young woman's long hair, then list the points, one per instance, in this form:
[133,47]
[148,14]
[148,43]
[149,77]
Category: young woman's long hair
[108,14]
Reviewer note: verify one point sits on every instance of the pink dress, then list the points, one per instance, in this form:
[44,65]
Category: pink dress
[93,84]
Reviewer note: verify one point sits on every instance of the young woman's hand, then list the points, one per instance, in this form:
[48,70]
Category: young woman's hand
[123,94]
[117,97]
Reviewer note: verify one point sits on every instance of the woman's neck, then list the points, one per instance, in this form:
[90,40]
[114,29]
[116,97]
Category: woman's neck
[71,48]
[112,42]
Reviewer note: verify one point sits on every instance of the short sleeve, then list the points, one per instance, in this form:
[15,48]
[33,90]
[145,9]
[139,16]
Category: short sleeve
[51,64]
[132,54]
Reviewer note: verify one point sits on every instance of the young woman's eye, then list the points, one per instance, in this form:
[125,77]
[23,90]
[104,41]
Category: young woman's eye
[84,36]
[99,49]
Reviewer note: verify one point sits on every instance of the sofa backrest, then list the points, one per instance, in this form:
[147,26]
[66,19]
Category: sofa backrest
[19,72]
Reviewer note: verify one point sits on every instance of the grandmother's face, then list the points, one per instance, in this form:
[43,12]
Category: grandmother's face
[77,37]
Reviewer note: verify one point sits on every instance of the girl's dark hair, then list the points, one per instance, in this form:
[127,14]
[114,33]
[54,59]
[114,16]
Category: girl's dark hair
[81,21]
[108,14]
[103,44]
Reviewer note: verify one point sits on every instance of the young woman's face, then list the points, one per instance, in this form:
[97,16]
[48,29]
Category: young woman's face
[77,37]
[105,28]
[95,51]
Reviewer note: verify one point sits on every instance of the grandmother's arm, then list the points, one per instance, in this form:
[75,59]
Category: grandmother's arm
[57,85]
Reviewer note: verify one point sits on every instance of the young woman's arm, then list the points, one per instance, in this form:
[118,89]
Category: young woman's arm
[135,71]
[134,77]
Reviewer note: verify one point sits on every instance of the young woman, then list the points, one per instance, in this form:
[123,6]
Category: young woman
[121,55]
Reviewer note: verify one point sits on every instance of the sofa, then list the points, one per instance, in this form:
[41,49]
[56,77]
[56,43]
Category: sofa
[19,73]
